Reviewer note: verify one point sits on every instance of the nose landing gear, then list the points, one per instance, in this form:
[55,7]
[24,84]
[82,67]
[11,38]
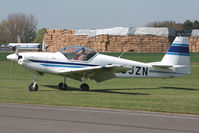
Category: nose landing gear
[33,86]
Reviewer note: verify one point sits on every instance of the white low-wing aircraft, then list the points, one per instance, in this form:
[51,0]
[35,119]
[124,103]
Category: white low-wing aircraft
[80,63]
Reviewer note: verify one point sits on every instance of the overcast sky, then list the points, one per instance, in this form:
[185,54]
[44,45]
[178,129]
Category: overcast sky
[96,14]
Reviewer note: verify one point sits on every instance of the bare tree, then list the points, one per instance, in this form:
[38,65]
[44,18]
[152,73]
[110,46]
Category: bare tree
[18,25]
[4,37]
[169,24]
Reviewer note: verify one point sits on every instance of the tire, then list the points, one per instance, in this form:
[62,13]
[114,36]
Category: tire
[84,87]
[31,88]
[62,86]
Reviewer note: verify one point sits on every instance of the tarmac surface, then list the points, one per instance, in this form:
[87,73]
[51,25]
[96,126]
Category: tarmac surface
[24,118]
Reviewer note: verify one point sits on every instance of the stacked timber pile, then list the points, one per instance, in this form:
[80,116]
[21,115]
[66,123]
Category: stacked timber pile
[57,38]
[194,41]
[138,43]
[111,40]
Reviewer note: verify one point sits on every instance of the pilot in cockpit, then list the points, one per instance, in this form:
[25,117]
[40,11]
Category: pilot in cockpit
[80,54]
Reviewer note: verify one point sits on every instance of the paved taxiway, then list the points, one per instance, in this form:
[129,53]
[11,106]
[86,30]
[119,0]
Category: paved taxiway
[21,118]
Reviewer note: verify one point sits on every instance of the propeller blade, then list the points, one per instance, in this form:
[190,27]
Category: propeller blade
[17,50]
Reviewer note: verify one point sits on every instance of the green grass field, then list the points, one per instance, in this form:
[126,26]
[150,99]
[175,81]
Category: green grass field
[177,95]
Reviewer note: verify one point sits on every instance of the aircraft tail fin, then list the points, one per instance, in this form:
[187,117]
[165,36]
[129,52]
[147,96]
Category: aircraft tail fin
[178,56]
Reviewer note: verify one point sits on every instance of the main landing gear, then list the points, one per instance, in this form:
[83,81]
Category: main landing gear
[84,86]
[62,85]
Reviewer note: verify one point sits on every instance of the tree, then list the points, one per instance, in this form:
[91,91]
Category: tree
[40,35]
[4,38]
[188,25]
[18,26]
[195,24]
[169,24]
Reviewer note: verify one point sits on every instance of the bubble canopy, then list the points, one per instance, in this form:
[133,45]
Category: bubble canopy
[79,53]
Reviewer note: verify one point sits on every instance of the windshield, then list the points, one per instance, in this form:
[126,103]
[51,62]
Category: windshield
[78,53]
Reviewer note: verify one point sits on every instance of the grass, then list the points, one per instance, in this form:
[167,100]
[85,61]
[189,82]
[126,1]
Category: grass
[177,95]
[3,56]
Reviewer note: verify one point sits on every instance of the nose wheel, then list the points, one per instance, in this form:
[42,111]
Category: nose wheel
[33,86]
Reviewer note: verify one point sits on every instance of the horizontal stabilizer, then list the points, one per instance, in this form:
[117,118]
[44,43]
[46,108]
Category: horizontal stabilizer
[160,65]
[166,66]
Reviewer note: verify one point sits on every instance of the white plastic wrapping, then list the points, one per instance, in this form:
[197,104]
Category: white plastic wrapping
[151,31]
[195,33]
[121,31]
[110,31]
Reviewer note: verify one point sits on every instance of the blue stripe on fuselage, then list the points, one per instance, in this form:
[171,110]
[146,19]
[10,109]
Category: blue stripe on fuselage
[61,63]
[69,66]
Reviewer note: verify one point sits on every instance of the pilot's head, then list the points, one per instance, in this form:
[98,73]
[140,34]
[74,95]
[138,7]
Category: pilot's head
[79,50]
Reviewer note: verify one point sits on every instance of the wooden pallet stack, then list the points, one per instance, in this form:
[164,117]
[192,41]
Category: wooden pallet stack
[59,38]
[194,44]
[139,43]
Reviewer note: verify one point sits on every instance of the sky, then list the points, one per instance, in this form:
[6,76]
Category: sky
[98,14]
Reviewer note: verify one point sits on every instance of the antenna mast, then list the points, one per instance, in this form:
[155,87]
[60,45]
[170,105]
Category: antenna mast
[123,52]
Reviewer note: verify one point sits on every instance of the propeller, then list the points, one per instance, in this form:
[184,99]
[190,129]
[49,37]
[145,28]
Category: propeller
[14,57]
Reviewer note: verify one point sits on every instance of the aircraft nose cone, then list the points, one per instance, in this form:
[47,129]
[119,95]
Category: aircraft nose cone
[12,57]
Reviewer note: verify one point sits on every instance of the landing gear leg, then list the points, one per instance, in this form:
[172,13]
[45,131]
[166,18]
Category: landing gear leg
[62,85]
[33,86]
[84,86]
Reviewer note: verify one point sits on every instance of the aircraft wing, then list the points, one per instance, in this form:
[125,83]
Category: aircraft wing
[98,73]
